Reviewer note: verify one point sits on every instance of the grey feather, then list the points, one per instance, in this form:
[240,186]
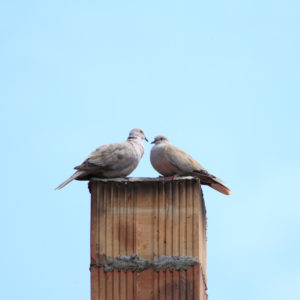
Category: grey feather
[169,160]
[112,160]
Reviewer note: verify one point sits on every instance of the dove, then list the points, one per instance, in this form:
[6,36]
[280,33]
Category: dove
[169,160]
[112,160]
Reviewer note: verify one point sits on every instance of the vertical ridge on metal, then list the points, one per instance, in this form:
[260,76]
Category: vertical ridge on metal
[151,218]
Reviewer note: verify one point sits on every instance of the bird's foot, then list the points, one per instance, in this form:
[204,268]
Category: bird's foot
[172,176]
[169,177]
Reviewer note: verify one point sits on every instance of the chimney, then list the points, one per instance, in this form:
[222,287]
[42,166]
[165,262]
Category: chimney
[148,239]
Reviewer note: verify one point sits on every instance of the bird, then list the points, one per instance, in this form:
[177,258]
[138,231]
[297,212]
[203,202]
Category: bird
[111,160]
[169,160]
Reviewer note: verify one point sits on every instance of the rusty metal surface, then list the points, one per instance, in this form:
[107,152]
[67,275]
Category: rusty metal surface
[143,179]
[149,285]
[150,218]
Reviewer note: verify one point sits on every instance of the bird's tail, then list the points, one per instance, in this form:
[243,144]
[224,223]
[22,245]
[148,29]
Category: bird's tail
[220,187]
[213,182]
[74,176]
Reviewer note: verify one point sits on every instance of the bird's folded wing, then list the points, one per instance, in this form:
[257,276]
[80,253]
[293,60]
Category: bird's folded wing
[181,160]
[110,157]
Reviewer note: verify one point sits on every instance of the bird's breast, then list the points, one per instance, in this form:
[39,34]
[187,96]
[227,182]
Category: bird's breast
[138,149]
[160,162]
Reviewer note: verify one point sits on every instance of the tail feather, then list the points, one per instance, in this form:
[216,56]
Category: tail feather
[74,176]
[221,188]
[213,182]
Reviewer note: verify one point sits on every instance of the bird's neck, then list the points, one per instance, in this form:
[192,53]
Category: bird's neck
[134,138]
[137,143]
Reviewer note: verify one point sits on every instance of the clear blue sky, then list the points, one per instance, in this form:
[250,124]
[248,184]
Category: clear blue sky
[220,79]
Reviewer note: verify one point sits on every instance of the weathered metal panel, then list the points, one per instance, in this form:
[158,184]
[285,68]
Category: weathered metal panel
[150,218]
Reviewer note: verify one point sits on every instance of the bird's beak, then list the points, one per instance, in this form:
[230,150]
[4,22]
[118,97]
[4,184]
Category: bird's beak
[153,142]
[146,139]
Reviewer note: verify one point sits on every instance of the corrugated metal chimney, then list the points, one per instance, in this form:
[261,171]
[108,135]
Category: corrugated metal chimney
[148,239]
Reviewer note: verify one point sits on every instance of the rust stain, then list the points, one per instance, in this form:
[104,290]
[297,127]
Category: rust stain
[148,285]
[151,219]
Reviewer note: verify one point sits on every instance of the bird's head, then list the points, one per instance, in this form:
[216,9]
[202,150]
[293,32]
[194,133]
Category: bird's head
[160,139]
[137,133]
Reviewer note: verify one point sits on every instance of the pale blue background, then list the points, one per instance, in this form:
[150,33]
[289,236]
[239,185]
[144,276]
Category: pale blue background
[219,78]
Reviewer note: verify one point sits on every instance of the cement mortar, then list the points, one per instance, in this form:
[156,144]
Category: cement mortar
[132,263]
[138,264]
[174,263]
